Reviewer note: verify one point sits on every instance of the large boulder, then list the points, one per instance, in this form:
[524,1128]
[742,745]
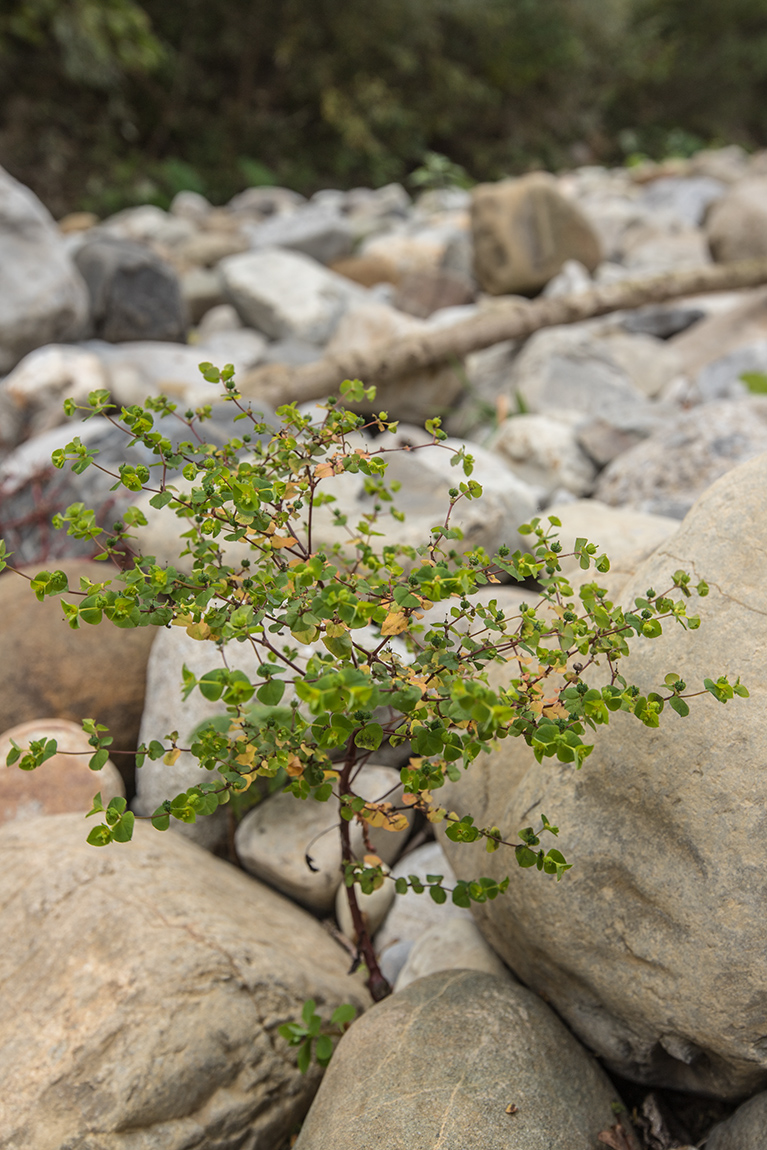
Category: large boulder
[143,987]
[95,673]
[736,226]
[316,230]
[461,1060]
[524,231]
[134,294]
[42,295]
[666,473]
[652,947]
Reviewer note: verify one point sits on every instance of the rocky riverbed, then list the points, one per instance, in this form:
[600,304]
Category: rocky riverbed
[145,983]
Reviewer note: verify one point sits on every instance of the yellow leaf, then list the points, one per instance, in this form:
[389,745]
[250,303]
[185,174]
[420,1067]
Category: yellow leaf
[199,631]
[278,541]
[394,623]
[295,767]
[372,860]
[170,756]
[436,815]
[247,754]
[331,776]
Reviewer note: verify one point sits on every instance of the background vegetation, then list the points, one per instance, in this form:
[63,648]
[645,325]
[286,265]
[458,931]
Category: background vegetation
[109,102]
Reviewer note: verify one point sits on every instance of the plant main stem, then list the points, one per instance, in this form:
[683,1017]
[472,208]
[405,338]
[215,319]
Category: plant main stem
[376,983]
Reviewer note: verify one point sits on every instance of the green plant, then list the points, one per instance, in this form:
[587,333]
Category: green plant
[309,1036]
[437,171]
[323,613]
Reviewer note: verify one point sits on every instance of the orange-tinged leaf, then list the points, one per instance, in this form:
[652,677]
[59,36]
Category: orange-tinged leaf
[372,860]
[394,623]
[295,767]
[278,541]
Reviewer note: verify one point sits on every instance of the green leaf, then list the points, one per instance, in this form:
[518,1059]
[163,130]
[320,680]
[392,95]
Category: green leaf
[304,1055]
[271,693]
[98,760]
[100,836]
[323,1050]
[370,737]
[679,706]
[343,1014]
[308,1010]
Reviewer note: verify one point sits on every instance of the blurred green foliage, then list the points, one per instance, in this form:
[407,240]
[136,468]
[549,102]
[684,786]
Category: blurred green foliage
[110,102]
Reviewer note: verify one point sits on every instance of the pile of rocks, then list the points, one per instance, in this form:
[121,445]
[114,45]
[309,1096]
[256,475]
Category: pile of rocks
[156,974]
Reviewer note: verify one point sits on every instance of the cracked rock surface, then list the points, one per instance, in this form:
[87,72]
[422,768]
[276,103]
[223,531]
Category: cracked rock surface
[143,987]
[652,949]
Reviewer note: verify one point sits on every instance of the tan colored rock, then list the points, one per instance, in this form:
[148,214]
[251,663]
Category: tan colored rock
[75,222]
[736,226]
[205,249]
[423,292]
[48,670]
[143,987]
[367,270]
[62,783]
[524,231]
[652,946]
[456,1061]
[626,536]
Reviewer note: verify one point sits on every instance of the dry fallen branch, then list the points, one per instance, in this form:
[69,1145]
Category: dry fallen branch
[517,319]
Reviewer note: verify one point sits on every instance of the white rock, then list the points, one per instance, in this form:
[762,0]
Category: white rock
[412,914]
[166,711]
[285,293]
[318,231]
[43,298]
[274,839]
[51,374]
[455,944]
[244,348]
[223,317]
[374,907]
[190,206]
[544,453]
[140,368]
[574,277]
[687,197]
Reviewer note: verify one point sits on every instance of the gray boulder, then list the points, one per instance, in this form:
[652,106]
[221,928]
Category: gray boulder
[652,947]
[153,979]
[666,473]
[282,293]
[42,295]
[316,230]
[461,1061]
[133,293]
[746,1130]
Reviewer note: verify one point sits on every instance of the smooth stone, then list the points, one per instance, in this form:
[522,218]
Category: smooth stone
[452,945]
[736,226]
[524,230]
[666,473]
[153,978]
[455,1061]
[745,1130]
[411,914]
[285,293]
[62,784]
[315,230]
[274,839]
[133,293]
[95,673]
[544,453]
